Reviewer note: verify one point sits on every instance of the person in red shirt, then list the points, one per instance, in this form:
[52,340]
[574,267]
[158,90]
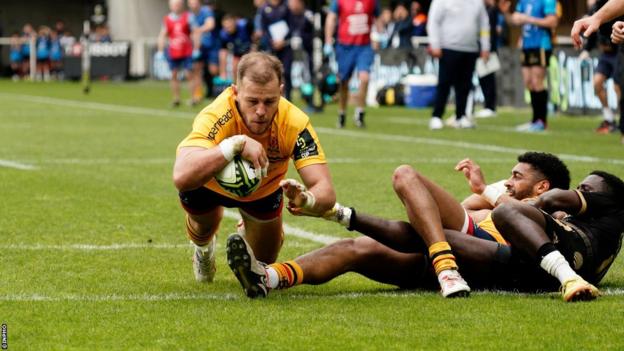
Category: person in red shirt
[352,19]
[176,31]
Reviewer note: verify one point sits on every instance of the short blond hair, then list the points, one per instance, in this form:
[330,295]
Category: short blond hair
[260,68]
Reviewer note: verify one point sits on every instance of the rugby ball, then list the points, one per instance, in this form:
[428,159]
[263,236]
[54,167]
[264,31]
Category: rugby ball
[238,177]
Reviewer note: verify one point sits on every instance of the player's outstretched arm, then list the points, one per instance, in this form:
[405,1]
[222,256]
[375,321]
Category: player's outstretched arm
[315,196]
[559,200]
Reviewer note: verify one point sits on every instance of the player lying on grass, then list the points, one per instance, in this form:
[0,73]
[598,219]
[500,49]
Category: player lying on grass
[252,120]
[484,254]
[586,232]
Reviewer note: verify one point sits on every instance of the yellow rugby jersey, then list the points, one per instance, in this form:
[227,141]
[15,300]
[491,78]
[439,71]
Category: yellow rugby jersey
[291,136]
[487,224]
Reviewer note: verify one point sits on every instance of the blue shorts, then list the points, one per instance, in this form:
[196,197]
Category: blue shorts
[209,55]
[183,63]
[606,64]
[353,57]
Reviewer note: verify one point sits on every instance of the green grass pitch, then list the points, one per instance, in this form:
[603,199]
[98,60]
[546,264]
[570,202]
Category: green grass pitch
[93,253]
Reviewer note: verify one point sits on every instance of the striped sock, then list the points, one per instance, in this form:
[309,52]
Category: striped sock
[442,257]
[197,238]
[284,275]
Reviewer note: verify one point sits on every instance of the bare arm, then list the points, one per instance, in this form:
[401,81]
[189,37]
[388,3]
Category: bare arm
[162,39]
[586,26]
[549,21]
[330,27]
[316,197]
[559,200]
[196,166]
[317,179]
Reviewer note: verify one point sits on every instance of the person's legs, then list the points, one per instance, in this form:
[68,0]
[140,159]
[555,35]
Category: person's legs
[363,77]
[488,86]
[525,228]
[196,92]
[175,87]
[463,82]
[604,70]
[425,217]
[361,255]
[445,79]
[599,81]
[264,236]
[364,60]
[286,56]
[201,230]
[346,61]
[540,94]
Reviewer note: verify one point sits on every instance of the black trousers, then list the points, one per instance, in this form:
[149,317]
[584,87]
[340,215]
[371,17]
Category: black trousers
[455,70]
[488,87]
[286,56]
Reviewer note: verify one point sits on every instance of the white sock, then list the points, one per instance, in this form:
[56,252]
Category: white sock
[272,278]
[205,248]
[556,265]
[358,110]
[607,113]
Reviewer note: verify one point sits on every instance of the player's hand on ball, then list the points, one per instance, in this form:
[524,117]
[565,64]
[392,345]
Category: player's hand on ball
[300,201]
[254,153]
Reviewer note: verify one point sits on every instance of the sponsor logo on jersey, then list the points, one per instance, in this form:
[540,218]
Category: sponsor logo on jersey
[218,125]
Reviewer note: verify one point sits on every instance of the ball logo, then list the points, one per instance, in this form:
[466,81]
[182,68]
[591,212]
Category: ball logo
[238,178]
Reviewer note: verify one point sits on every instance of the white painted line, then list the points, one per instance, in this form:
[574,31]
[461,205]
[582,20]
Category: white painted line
[457,144]
[17,165]
[398,161]
[292,294]
[143,111]
[332,131]
[288,230]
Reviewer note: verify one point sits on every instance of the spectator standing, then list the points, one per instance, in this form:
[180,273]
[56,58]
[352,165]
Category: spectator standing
[56,55]
[274,17]
[605,68]
[28,33]
[43,47]
[488,82]
[458,33]
[353,20]
[380,34]
[206,41]
[419,19]
[15,56]
[538,19]
[401,37]
[235,39]
[176,30]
